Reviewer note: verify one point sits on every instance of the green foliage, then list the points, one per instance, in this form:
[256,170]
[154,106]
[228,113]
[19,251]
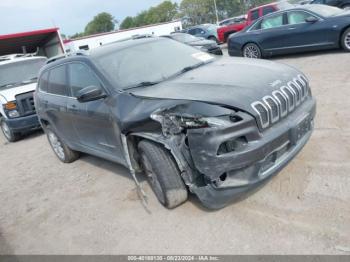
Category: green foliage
[101,23]
[192,11]
[164,12]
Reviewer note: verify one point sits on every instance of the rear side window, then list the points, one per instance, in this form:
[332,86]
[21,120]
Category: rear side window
[58,81]
[255,14]
[81,76]
[272,22]
[43,84]
[268,9]
[297,17]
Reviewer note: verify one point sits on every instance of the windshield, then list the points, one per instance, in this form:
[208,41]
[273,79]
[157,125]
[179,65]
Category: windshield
[149,62]
[184,37]
[20,72]
[324,10]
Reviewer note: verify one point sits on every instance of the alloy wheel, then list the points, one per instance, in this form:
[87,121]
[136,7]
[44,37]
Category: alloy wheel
[251,52]
[347,40]
[56,145]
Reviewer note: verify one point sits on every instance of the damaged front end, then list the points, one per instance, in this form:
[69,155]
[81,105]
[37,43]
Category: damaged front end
[222,153]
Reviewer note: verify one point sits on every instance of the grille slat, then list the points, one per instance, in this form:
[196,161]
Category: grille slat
[283,101]
[25,103]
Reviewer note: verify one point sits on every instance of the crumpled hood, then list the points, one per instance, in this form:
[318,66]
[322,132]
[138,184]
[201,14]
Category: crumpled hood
[10,93]
[233,82]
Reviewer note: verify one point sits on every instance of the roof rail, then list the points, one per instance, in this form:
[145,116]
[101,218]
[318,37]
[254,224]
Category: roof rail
[55,58]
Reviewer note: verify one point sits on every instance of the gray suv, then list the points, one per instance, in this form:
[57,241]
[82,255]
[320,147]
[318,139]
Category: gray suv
[188,121]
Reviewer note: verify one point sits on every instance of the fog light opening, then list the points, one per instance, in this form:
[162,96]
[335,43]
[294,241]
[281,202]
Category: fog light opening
[223,177]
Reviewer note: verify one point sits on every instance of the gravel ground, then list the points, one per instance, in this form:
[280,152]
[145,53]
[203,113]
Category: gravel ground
[91,206]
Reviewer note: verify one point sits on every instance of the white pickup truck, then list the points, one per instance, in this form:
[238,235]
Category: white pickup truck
[18,78]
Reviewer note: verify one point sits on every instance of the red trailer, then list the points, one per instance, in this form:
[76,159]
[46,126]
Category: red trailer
[45,42]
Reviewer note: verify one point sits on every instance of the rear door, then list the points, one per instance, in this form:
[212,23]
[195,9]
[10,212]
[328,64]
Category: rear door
[272,31]
[55,102]
[92,121]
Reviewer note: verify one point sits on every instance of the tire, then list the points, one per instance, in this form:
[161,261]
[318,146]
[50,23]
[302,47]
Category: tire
[8,133]
[213,38]
[252,51]
[61,150]
[345,40]
[162,174]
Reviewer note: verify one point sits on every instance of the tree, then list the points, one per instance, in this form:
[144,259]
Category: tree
[164,12]
[103,22]
[128,22]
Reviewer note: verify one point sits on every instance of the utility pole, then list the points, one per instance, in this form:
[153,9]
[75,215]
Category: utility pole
[216,13]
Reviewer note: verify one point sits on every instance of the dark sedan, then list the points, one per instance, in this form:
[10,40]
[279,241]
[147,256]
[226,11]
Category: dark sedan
[345,4]
[205,45]
[299,29]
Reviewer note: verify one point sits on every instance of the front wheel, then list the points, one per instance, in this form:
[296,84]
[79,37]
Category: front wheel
[8,133]
[62,151]
[251,51]
[162,174]
[345,40]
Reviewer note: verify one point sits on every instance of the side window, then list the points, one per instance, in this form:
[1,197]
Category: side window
[58,81]
[272,22]
[201,31]
[44,81]
[268,9]
[192,31]
[297,17]
[81,76]
[255,14]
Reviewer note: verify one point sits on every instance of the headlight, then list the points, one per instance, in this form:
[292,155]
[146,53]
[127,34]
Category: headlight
[13,113]
[175,124]
[11,109]
[10,105]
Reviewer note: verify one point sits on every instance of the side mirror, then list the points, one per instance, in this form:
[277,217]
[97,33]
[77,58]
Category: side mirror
[90,93]
[311,19]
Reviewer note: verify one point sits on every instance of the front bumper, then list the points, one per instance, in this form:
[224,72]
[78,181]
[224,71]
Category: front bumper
[215,51]
[231,174]
[24,123]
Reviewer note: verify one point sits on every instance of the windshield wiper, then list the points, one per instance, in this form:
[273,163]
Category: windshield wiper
[143,84]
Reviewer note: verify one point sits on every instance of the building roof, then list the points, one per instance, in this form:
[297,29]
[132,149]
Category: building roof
[12,43]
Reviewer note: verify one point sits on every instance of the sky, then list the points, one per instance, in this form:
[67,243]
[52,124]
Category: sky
[70,16]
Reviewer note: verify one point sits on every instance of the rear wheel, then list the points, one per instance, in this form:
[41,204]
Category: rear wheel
[213,38]
[251,51]
[162,174]
[62,151]
[345,40]
[8,133]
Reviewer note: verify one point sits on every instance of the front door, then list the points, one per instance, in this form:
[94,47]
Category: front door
[92,120]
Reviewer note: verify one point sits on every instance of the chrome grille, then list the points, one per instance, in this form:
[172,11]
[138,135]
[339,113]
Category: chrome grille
[283,101]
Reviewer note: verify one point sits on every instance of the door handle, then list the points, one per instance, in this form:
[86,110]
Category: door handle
[291,28]
[72,108]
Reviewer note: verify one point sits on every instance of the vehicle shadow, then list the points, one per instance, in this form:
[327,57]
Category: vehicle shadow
[308,54]
[112,167]
[195,201]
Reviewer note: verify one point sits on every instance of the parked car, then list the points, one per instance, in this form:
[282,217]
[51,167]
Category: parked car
[18,77]
[300,29]
[183,118]
[344,4]
[233,20]
[200,43]
[207,31]
[253,14]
